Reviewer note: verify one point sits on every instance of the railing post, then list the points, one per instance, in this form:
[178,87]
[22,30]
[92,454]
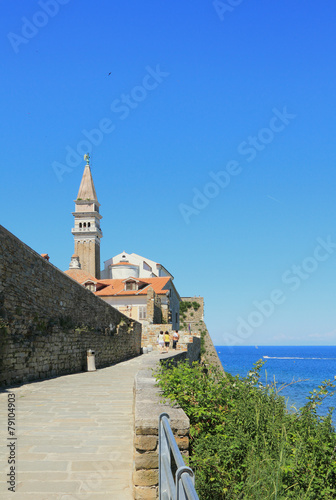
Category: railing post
[180,493]
[164,451]
[183,488]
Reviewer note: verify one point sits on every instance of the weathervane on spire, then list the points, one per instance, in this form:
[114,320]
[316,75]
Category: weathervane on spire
[87,158]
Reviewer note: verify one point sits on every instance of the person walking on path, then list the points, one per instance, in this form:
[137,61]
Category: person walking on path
[176,338]
[167,340]
[161,341]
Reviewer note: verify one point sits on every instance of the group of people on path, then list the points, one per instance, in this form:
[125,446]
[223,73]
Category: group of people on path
[164,340]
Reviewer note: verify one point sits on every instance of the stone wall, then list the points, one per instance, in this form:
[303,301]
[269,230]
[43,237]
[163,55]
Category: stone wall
[48,321]
[190,352]
[166,316]
[192,315]
[195,318]
[146,417]
[154,313]
[150,334]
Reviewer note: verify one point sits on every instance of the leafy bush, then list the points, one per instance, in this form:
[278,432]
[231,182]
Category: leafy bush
[184,306]
[203,349]
[244,443]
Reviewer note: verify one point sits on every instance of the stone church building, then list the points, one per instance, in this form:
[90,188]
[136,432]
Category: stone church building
[140,288]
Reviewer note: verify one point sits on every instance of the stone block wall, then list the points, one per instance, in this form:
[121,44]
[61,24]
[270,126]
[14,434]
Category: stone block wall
[186,343]
[147,408]
[193,316]
[48,321]
[154,312]
[165,312]
[150,334]
[190,352]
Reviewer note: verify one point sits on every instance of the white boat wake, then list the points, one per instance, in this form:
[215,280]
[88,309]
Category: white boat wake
[291,357]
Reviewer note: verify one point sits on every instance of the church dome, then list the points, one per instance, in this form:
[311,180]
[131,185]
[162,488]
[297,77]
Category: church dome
[124,269]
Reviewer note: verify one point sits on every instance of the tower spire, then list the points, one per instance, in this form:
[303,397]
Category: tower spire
[87,232]
[87,190]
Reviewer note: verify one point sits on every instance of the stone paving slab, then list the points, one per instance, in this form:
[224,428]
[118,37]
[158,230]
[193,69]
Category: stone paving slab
[74,435]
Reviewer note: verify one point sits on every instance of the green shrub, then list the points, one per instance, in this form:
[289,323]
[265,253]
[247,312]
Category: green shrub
[184,306]
[244,443]
[203,350]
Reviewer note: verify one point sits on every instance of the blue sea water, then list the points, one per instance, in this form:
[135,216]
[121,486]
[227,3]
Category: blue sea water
[311,365]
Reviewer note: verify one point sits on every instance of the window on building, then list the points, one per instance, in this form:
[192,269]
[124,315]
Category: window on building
[90,286]
[142,312]
[89,224]
[80,224]
[176,318]
[84,225]
[131,285]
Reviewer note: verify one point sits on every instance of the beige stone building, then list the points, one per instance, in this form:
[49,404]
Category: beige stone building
[147,300]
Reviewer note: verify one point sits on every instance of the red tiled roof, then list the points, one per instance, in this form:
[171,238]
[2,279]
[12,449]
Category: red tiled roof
[112,287]
[80,275]
[116,287]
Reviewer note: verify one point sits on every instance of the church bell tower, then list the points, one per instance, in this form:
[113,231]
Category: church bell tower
[87,232]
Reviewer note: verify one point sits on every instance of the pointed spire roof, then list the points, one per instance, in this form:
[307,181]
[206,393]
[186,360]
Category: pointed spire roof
[86,189]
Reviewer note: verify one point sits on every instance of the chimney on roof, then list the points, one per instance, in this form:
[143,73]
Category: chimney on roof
[45,256]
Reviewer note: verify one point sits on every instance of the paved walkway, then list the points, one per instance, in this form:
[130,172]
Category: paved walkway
[74,435]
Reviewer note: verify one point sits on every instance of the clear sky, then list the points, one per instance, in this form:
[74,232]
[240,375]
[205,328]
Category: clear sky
[211,127]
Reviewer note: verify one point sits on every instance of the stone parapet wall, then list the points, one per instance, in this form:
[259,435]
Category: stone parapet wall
[147,408]
[48,321]
[191,352]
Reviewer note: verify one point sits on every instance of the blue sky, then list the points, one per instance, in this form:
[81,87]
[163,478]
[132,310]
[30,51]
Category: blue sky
[215,155]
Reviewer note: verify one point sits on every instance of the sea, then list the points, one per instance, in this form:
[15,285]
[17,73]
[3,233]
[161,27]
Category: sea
[306,366]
